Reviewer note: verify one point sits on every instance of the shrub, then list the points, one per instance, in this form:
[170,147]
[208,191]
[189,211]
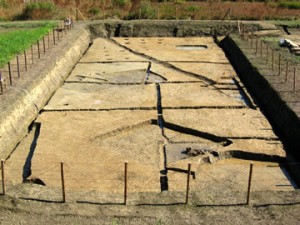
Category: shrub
[148,12]
[94,11]
[289,5]
[193,9]
[38,10]
[121,3]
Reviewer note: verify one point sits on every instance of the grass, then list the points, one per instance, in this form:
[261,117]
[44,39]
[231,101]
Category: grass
[17,40]
[289,5]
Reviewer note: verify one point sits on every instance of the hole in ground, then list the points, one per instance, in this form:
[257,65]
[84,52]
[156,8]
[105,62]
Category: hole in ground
[191,47]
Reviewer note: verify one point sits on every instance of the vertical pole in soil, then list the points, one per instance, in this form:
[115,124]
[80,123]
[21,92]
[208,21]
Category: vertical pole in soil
[53,36]
[294,86]
[18,67]
[57,31]
[256,46]
[62,31]
[140,13]
[77,18]
[1,86]
[48,40]
[176,12]
[25,60]
[251,41]
[261,48]
[188,184]
[267,54]
[286,70]
[125,182]
[38,46]
[157,12]
[9,73]
[249,183]
[44,46]
[3,177]
[272,59]
[279,64]
[63,181]
[31,49]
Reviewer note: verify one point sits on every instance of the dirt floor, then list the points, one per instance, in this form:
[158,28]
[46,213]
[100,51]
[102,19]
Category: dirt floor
[107,113]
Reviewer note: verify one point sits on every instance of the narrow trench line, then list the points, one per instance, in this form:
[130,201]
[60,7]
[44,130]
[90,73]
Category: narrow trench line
[27,165]
[164,186]
[204,79]
[144,108]
[135,83]
[245,96]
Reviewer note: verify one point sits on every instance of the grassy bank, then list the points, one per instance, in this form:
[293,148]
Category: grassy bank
[16,37]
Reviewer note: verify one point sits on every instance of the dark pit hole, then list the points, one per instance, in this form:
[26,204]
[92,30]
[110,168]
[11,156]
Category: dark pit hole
[191,47]
[127,43]
[66,104]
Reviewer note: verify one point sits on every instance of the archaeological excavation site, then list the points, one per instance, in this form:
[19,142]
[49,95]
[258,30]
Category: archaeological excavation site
[153,113]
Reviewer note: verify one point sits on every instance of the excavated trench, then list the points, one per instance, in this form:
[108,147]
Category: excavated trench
[173,131]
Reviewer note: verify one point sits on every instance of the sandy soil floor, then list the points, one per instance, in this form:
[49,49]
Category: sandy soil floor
[105,115]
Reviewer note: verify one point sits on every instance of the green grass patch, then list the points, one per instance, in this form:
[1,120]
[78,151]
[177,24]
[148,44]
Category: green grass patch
[16,41]
[289,5]
[289,23]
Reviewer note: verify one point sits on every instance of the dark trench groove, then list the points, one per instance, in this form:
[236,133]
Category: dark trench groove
[27,165]
[223,140]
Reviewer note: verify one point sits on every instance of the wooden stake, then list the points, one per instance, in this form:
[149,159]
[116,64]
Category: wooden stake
[48,40]
[25,60]
[38,45]
[256,46]
[3,177]
[1,85]
[44,46]
[279,64]
[9,73]
[140,14]
[125,183]
[53,31]
[272,59]
[294,86]
[249,183]
[32,54]
[77,17]
[267,54]
[286,70]
[188,184]
[18,67]
[63,181]
[57,31]
[261,48]
[157,12]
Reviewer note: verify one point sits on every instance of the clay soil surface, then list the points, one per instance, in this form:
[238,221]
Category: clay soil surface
[107,113]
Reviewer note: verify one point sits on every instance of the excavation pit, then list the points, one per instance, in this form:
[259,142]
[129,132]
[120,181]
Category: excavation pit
[104,114]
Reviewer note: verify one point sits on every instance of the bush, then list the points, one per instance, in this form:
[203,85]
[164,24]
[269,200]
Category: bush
[94,11]
[147,11]
[121,3]
[38,10]
[193,10]
[289,5]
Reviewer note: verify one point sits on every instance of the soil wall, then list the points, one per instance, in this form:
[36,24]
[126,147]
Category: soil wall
[166,28]
[282,118]
[22,103]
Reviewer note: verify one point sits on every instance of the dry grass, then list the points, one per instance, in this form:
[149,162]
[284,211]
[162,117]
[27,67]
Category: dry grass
[167,10]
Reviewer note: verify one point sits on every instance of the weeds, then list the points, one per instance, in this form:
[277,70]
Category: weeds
[289,5]
[14,42]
